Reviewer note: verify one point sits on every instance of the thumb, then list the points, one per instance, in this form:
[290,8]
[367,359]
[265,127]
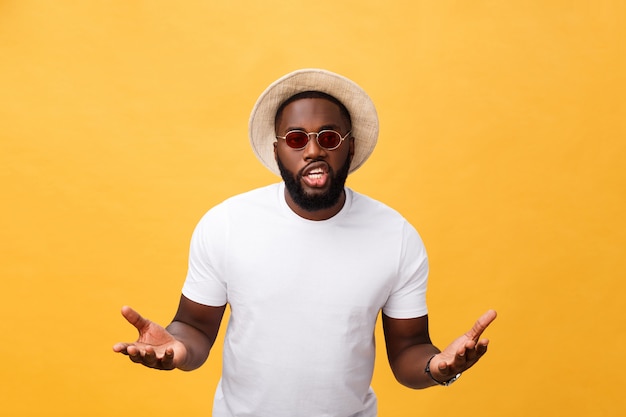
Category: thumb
[481,324]
[134,318]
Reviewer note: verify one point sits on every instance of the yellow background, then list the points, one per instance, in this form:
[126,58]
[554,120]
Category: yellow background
[502,140]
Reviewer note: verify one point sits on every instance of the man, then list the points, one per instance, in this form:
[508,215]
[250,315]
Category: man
[306,266]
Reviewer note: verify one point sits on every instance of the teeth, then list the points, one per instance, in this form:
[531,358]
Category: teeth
[316,173]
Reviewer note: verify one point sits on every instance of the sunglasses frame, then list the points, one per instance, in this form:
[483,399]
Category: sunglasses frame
[317,135]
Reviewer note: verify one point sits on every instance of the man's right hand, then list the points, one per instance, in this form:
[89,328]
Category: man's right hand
[155,347]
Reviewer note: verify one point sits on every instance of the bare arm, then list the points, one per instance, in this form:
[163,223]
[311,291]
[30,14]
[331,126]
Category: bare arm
[184,344]
[409,348]
[196,326]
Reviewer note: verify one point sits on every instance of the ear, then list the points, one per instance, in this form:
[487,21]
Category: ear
[351,151]
[275,146]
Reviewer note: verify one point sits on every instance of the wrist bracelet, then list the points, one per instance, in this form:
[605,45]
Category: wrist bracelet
[446,383]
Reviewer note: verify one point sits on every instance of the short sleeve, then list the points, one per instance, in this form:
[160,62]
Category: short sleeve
[205,282]
[408,296]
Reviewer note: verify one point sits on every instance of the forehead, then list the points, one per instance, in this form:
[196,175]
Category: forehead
[310,113]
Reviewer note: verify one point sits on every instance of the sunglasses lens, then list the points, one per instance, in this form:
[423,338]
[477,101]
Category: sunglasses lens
[296,139]
[329,139]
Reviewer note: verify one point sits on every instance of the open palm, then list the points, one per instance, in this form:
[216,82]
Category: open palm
[155,347]
[463,352]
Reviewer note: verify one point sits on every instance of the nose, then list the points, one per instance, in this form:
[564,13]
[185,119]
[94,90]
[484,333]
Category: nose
[313,150]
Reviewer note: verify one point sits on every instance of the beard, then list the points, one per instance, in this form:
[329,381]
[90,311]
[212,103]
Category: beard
[317,202]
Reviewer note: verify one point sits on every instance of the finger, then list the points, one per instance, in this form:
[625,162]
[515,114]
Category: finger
[470,345]
[481,347]
[466,353]
[134,354]
[464,348]
[481,324]
[150,357]
[134,317]
[168,359]
[120,348]
[473,355]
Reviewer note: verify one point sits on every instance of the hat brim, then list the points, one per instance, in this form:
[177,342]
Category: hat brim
[261,129]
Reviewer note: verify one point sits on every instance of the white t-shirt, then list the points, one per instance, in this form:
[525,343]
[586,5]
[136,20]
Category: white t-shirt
[304,298]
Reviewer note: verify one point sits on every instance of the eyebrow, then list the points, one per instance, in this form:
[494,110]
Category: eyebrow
[323,127]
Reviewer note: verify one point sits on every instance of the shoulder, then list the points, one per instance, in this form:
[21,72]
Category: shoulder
[260,195]
[362,204]
[244,204]
[248,200]
[380,217]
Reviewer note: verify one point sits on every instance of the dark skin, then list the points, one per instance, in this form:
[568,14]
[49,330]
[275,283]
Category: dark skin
[409,348]
[313,115]
[185,344]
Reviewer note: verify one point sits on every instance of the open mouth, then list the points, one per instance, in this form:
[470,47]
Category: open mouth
[315,174]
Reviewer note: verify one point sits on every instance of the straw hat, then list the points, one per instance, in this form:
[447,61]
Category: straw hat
[362,111]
